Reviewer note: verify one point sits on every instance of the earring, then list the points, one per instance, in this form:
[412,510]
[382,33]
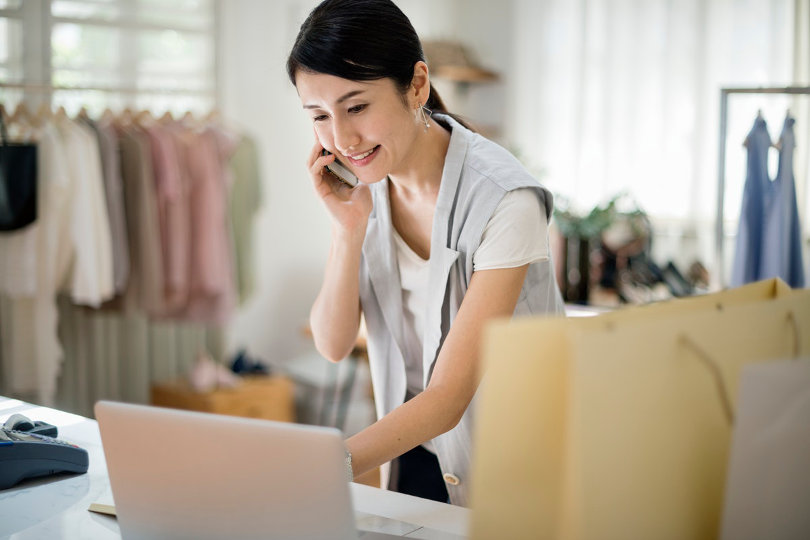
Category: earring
[425,113]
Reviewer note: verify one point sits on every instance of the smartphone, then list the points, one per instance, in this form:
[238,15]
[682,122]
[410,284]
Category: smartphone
[340,172]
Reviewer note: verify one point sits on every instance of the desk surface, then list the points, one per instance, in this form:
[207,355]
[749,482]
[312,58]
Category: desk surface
[57,507]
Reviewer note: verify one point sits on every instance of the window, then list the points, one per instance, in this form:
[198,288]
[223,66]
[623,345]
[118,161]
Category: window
[142,54]
[11,45]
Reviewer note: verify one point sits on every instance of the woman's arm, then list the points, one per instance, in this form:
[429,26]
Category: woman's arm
[335,315]
[456,374]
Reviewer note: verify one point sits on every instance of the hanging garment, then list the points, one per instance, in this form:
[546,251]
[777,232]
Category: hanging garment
[244,203]
[114,195]
[145,285]
[18,251]
[781,239]
[31,351]
[19,192]
[748,252]
[91,280]
[171,193]
[18,182]
[212,297]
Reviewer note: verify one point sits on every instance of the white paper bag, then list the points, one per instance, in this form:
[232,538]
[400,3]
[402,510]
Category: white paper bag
[768,486]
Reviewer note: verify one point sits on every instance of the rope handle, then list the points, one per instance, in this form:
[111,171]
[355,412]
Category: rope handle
[717,375]
[791,317]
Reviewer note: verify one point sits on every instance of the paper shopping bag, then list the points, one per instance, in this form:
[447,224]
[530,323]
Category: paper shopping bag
[768,488]
[618,427]
[758,291]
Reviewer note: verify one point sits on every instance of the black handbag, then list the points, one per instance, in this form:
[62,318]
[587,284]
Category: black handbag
[18,182]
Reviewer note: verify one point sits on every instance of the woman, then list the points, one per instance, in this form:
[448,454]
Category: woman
[445,231]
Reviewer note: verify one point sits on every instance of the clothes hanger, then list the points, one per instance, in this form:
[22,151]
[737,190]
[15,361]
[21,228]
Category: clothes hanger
[44,112]
[759,117]
[166,118]
[192,123]
[21,114]
[24,123]
[213,116]
[21,123]
[144,118]
[125,117]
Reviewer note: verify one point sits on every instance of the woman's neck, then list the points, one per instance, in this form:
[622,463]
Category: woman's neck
[422,171]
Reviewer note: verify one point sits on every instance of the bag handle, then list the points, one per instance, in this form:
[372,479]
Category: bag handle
[717,375]
[791,317]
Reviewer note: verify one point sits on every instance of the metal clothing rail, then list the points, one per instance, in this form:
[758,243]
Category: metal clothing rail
[721,161]
[111,89]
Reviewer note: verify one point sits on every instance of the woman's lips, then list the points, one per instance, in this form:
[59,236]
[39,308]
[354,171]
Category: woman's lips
[366,159]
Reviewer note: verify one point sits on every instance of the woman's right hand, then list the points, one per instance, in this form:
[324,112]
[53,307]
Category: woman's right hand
[349,207]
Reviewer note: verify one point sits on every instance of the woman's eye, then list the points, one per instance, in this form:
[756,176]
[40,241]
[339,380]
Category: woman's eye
[357,108]
[319,118]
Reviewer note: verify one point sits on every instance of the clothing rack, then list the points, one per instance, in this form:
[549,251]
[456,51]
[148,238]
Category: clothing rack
[115,354]
[721,161]
[110,89]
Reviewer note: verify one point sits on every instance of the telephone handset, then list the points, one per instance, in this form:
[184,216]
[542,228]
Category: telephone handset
[339,171]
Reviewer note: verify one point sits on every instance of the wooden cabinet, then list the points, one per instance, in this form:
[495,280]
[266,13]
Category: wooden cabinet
[270,398]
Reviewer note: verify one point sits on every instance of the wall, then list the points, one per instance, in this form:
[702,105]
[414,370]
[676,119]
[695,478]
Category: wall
[290,230]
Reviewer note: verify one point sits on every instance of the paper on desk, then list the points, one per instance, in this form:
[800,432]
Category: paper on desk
[423,533]
[373,522]
[104,504]
[106,509]
[768,483]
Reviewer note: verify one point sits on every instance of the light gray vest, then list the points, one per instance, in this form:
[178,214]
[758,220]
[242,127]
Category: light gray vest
[477,174]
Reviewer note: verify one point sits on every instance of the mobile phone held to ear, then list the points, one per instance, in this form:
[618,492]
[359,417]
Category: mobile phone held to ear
[340,172]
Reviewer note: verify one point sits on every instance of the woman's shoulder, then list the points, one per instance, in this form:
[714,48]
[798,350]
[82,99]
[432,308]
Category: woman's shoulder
[488,160]
[490,171]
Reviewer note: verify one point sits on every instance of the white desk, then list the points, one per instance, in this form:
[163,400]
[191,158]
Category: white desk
[57,507]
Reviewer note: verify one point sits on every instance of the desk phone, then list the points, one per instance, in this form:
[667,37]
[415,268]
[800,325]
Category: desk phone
[28,455]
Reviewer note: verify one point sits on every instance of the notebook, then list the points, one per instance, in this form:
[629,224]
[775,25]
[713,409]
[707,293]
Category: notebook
[183,474]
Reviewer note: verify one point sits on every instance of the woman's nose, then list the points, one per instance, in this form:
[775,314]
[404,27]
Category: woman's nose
[345,136]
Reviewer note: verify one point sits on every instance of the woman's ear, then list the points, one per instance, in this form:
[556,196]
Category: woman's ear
[420,84]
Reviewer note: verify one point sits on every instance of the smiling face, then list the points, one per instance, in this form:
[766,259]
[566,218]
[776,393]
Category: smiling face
[369,125]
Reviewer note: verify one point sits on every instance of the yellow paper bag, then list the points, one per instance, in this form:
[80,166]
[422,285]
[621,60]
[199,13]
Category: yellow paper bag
[618,427]
[759,291]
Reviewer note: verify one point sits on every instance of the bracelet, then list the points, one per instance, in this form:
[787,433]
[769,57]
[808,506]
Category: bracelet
[349,472]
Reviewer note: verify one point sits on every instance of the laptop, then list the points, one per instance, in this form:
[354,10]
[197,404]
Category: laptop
[184,474]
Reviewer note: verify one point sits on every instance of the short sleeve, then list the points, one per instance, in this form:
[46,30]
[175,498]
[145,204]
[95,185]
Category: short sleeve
[516,234]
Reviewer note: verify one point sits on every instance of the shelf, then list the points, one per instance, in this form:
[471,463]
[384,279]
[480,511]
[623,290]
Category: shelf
[465,74]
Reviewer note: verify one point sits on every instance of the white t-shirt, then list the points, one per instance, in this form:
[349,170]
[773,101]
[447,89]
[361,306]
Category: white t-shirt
[516,234]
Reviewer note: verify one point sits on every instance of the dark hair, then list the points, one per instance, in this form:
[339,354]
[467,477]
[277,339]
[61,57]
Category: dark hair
[360,40]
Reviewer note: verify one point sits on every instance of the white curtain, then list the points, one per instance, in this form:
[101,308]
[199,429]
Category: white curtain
[612,96]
